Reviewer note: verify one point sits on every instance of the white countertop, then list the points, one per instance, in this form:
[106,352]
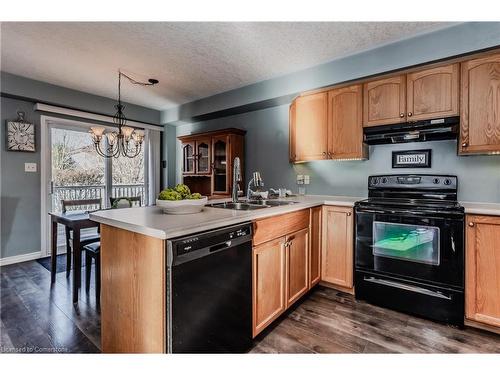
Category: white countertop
[151,221]
[481,208]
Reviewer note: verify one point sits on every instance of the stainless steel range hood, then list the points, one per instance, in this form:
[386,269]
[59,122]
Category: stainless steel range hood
[429,130]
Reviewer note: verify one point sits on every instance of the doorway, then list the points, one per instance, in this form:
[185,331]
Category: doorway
[72,170]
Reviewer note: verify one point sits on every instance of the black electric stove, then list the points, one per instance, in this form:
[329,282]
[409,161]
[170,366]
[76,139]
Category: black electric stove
[410,246]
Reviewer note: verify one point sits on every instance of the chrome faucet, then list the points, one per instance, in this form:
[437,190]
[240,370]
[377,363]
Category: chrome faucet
[256,181]
[236,179]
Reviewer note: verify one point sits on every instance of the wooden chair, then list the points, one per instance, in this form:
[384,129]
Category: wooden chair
[129,200]
[93,251]
[85,239]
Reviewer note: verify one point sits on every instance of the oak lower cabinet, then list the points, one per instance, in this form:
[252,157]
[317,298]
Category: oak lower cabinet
[268,283]
[315,246]
[280,265]
[297,268]
[337,255]
[482,277]
[480,106]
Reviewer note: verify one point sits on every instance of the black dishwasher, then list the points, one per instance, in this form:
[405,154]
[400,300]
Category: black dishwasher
[209,291]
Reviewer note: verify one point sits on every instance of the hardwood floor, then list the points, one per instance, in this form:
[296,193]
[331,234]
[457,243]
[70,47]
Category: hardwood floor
[36,318]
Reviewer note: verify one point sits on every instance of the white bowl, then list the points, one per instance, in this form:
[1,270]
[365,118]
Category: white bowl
[184,206]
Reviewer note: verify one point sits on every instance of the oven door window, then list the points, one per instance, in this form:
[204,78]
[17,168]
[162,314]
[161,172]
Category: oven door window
[412,243]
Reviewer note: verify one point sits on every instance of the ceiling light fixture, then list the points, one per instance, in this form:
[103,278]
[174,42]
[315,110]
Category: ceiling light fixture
[127,141]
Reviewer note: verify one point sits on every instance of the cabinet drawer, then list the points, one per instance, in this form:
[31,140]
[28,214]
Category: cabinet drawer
[277,226]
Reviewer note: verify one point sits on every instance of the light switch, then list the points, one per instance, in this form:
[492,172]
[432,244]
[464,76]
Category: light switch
[306,179]
[30,167]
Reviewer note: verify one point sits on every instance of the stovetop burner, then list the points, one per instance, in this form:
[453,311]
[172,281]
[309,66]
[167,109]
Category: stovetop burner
[412,191]
[414,203]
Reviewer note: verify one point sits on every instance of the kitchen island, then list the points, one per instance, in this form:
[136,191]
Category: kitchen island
[134,262]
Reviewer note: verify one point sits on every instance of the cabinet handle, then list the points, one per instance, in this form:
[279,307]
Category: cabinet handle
[349,214]
[330,154]
[324,153]
[410,114]
[465,144]
[471,224]
[401,115]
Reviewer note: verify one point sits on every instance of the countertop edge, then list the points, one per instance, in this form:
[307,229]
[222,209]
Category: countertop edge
[253,215]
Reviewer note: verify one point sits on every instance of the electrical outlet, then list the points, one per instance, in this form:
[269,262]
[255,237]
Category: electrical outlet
[300,179]
[306,179]
[30,167]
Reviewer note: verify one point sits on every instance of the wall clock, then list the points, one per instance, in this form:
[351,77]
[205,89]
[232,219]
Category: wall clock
[20,135]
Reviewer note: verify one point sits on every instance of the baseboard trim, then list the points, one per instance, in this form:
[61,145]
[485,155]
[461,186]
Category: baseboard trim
[20,258]
[478,325]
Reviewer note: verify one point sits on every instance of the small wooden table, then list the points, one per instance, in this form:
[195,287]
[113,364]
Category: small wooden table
[76,221]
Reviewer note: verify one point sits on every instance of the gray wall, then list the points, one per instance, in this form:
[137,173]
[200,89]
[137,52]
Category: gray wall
[20,191]
[20,201]
[267,151]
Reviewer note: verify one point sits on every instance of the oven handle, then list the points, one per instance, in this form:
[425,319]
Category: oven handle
[410,288]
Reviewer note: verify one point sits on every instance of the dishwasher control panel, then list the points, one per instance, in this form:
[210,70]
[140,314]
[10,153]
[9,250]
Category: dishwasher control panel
[203,240]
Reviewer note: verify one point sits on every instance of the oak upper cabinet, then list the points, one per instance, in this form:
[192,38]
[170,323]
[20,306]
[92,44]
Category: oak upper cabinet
[345,123]
[482,278]
[315,246]
[297,268]
[384,101]
[188,157]
[308,128]
[480,106]
[337,247]
[432,93]
[268,283]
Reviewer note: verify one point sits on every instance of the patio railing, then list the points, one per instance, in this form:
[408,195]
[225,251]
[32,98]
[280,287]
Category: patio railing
[96,191]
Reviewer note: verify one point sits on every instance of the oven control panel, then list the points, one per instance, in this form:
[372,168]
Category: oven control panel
[413,180]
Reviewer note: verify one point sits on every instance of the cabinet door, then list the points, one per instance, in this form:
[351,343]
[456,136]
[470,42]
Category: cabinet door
[297,267]
[309,128]
[188,158]
[315,247]
[345,123]
[268,283]
[203,160]
[482,278]
[220,165]
[480,106]
[337,249]
[433,93]
[384,101]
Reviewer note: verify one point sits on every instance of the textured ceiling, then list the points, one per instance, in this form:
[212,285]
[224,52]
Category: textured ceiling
[191,60]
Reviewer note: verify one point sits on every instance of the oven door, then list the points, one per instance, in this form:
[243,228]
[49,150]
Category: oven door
[425,246]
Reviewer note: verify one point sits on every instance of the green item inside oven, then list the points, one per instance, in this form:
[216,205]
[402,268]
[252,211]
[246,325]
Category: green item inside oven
[404,240]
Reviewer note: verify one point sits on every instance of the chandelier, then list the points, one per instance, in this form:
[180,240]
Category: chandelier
[126,141]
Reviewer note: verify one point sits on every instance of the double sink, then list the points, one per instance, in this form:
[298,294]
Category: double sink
[250,205]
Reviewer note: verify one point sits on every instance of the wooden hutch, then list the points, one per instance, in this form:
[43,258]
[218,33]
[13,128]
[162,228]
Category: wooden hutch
[207,161]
